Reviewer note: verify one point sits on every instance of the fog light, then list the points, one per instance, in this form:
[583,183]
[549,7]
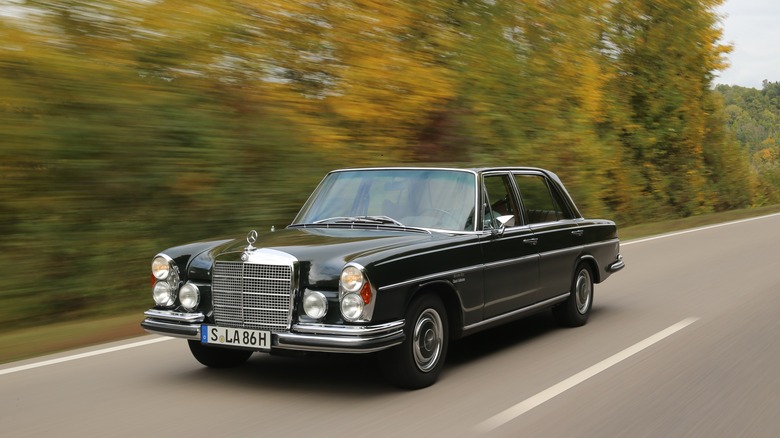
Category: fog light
[189,296]
[163,294]
[315,304]
[352,307]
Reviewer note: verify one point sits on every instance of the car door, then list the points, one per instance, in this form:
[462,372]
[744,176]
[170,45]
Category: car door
[553,223]
[511,259]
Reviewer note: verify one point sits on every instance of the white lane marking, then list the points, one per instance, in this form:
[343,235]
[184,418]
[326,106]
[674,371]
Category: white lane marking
[526,405]
[82,355]
[693,230]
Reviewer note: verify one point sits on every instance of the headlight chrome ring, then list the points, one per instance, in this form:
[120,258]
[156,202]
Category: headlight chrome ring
[163,294]
[162,266]
[166,274]
[315,304]
[351,279]
[189,296]
[352,307]
[356,294]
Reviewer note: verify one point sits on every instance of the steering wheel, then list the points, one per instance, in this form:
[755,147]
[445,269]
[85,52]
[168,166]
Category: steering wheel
[444,218]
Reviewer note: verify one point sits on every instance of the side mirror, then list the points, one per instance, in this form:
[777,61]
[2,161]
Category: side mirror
[503,221]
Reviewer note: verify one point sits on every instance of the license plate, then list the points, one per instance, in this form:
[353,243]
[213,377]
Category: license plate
[236,337]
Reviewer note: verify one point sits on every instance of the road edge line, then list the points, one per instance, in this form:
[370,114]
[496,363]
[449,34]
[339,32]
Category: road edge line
[44,363]
[693,230]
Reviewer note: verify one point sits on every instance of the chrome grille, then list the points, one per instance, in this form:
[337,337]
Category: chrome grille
[252,296]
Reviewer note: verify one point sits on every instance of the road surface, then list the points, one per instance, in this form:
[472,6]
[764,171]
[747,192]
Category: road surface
[683,342]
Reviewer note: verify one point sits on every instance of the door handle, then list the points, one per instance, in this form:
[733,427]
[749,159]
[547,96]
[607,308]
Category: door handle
[531,241]
[577,232]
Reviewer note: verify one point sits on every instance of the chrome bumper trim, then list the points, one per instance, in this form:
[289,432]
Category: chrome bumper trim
[341,338]
[349,330]
[302,337]
[186,331]
[180,317]
[617,265]
[170,323]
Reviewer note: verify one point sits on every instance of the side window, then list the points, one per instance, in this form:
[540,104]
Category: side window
[539,202]
[499,201]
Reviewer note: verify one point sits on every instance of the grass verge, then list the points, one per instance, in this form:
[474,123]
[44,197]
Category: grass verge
[655,228]
[53,338]
[36,341]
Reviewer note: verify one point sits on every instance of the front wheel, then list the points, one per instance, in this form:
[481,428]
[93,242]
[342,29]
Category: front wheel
[216,357]
[418,361]
[574,312]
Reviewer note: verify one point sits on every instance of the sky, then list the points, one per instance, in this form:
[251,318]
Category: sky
[753,28]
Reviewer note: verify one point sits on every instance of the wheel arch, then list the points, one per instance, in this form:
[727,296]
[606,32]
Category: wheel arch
[590,261]
[449,297]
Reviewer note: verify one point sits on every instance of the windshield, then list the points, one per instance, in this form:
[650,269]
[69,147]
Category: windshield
[425,198]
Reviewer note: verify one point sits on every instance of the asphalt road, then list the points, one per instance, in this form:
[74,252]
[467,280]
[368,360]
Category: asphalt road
[683,342]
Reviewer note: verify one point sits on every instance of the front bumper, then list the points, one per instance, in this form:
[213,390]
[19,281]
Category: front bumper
[301,337]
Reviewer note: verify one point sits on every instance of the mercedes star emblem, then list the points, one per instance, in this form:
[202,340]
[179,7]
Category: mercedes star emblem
[251,237]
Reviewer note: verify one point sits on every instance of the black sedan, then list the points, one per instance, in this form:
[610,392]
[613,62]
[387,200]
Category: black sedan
[392,261]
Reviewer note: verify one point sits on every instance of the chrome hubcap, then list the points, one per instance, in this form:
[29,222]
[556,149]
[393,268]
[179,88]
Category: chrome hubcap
[427,340]
[583,291]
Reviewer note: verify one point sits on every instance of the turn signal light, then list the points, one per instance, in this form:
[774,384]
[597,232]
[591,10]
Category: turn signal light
[365,293]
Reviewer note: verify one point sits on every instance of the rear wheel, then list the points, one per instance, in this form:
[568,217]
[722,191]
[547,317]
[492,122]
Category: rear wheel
[215,357]
[418,361]
[575,311]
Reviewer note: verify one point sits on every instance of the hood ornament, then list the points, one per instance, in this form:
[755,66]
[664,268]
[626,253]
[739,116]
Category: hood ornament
[251,238]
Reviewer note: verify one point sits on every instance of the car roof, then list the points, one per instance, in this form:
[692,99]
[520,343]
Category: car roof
[476,170]
[457,168]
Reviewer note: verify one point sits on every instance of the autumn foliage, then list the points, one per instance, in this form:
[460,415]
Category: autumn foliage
[128,126]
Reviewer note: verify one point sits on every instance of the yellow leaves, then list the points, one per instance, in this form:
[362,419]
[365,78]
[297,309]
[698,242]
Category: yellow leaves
[380,87]
[769,155]
[568,83]
[376,80]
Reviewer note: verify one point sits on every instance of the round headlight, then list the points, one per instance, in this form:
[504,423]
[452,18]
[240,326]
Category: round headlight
[352,307]
[163,294]
[351,279]
[161,267]
[315,304]
[189,296]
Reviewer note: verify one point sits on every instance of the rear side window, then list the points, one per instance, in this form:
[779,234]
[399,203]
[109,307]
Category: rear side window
[540,203]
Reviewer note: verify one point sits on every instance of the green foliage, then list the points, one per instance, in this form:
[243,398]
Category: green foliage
[131,126]
[753,116]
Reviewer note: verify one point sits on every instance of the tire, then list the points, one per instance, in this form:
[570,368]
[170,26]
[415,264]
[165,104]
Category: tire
[574,312]
[418,361]
[216,357]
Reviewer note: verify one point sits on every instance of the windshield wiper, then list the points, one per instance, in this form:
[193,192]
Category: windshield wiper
[374,220]
[382,220]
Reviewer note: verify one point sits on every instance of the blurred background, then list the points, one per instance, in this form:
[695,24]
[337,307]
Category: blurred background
[128,126]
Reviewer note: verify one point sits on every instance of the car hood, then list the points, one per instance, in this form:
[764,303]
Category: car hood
[321,252]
